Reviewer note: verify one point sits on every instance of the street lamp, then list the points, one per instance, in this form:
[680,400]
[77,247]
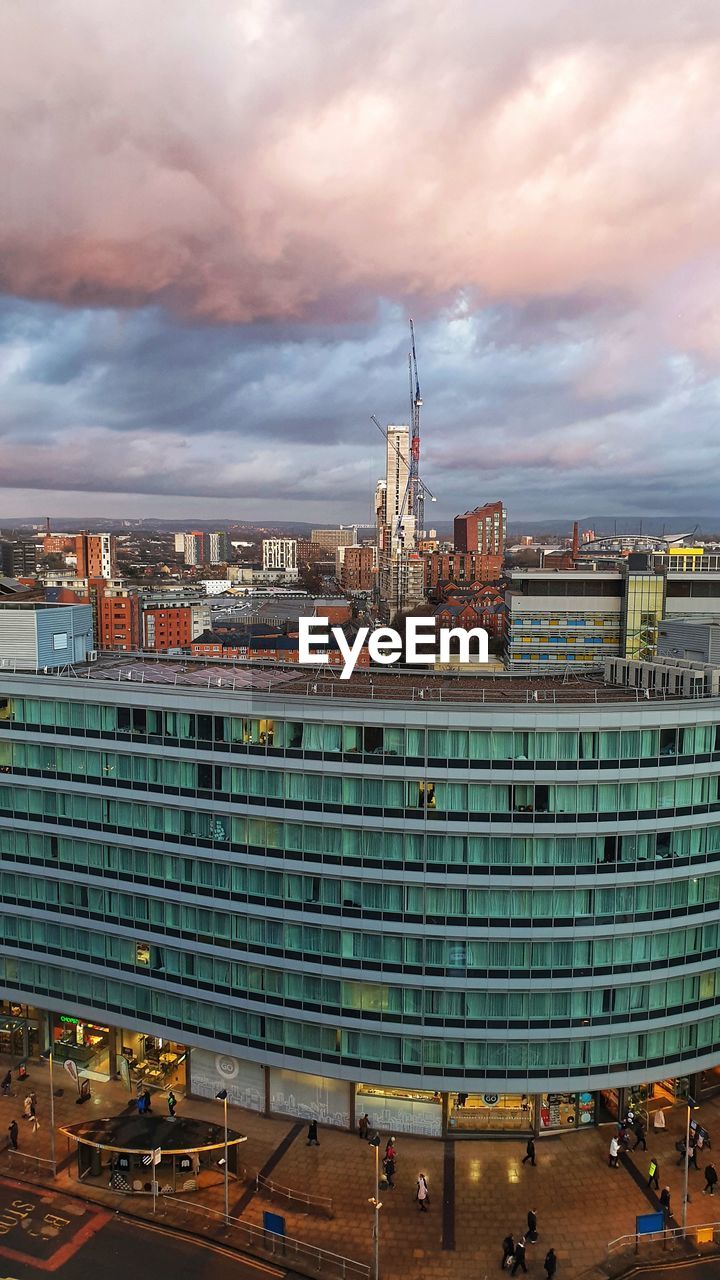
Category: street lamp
[691,1106]
[376,1202]
[222,1096]
[48,1055]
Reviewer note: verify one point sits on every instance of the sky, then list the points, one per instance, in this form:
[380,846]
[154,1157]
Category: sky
[220,217]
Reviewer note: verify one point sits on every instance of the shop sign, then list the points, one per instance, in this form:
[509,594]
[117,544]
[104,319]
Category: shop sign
[74,1022]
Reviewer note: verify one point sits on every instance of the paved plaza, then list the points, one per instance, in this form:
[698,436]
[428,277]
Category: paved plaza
[479,1188]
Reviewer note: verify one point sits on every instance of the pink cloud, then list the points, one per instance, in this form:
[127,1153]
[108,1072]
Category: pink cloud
[252,161]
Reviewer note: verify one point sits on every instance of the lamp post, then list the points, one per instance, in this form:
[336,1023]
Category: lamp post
[48,1055]
[691,1106]
[222,1096]
[376,1203]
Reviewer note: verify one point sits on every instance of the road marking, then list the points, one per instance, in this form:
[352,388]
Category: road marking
[226,1252]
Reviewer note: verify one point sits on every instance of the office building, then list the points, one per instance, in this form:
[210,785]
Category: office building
[304,887]
[330,539]
[173,624]
[482,530]
[601,609]
[280,554]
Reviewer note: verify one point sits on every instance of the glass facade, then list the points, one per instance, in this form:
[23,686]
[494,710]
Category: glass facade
[486,901]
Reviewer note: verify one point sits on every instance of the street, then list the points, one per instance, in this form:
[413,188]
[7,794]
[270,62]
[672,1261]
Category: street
[42,1232]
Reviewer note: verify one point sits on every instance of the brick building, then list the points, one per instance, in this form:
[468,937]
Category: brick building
[460,567]
[119,620]
[358,568]
[482,530]
[96,555]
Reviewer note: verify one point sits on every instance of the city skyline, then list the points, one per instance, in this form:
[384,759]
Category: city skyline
[210,257]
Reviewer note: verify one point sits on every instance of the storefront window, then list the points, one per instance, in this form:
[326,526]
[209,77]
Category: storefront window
[491,1112]
[566,1110]
[400,1110]
[87,1044]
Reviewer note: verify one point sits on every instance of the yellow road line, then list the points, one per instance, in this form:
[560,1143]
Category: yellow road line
[206,1244]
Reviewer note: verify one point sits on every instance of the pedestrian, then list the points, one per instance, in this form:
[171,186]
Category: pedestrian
[681,1148]
[640,1136]
[422,1194]
[389,1169]
[519,1256]
[27,1105]
[653,1179]
[390,1149]
[710,1179]
[141,1104]
[508,1250]
[692,1158]
[614,1152]
[172,1103]
[530,1152]
[13,1135]
[364,1126]
[532,1234]
[550,1264]
[33,1116]
[7,1081]
[312,1138]
[148,1101]
[665,1202]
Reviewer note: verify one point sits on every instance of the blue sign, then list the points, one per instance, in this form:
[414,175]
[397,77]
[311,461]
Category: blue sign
[273,1222]
[645,1223]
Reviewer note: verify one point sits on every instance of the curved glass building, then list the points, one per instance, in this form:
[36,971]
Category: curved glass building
[448,913]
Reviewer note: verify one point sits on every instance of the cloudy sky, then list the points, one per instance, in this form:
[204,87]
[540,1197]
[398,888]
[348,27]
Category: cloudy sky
[220,215]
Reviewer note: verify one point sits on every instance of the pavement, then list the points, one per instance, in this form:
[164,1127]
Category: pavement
[479,1188]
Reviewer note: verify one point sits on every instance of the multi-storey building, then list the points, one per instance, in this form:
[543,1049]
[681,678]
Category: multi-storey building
[18,559]
[461,567]
[368,903]
[218,545]
[588,613]
[194,548]
[96,555]
[173,624]
[119,619]
[357,568]
[280,554]
[330,539]
[482,530]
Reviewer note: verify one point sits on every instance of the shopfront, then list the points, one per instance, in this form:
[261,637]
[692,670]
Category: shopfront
[490,1113]
[154,1061]
[565,1111]
[89,1045]
[19,1030]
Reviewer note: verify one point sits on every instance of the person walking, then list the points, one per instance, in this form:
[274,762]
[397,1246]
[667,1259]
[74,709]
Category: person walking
[532,1234]
[653,1170]
[27,1104]
[312,1138]
[7,1081]
[172,1103]
[508,1250]
[530,1152]
[13,1135]
[35,1123]
[710,1179]
[148,1102]
[614,1152]
[422,1193]
[519,1256]
[640,1136]
[390,1149]
[692,1158]
[550,1264]
[665,1202]
[364,1126]
[389,1169]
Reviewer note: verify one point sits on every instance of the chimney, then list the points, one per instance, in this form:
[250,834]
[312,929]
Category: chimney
[575,541]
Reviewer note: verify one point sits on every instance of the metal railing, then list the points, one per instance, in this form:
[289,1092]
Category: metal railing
[26,1161]
[698,1234]
[323,1204]
[306,1258]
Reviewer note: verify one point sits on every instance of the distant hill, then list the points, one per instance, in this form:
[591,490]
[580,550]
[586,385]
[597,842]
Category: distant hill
[607,525]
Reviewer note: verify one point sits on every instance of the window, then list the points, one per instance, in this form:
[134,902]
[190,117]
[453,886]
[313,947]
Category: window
[60,640]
